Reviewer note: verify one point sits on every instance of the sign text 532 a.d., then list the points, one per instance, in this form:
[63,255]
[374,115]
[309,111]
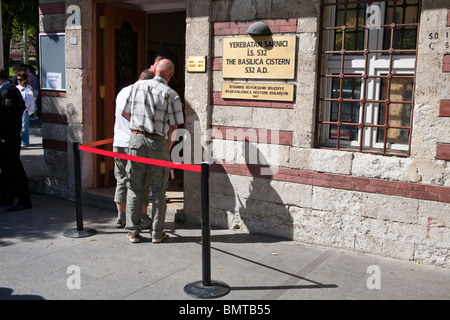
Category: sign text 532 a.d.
[264,57]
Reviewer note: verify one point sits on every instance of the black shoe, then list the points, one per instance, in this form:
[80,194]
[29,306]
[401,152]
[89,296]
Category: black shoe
[120,224]
[18,207]
[6,203]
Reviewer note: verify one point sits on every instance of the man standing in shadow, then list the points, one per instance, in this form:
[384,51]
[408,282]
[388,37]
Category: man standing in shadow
[14,181]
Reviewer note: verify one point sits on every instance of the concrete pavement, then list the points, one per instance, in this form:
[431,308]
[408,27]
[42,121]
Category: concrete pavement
[39,262]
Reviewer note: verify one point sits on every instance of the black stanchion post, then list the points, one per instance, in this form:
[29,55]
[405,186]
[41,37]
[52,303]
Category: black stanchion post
[79,232]
[206,227]
[206,288]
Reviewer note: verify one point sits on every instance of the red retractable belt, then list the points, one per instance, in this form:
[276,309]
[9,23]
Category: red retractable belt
[89,147]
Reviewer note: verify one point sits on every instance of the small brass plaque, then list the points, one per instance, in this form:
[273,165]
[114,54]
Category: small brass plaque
[196,64]
[258,91]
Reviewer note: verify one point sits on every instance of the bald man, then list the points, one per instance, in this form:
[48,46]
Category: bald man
[154,111]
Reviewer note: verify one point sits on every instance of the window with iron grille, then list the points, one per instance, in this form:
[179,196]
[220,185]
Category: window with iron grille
[367,74]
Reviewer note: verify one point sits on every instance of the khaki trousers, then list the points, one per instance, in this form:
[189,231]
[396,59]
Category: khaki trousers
[120,174]
[141,176]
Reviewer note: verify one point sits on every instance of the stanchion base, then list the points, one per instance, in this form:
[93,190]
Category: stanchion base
[217,289]
[80,234]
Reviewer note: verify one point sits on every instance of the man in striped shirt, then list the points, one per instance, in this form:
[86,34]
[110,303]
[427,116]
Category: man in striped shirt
[154,111]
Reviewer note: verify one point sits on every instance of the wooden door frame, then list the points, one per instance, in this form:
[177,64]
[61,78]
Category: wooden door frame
[103,69]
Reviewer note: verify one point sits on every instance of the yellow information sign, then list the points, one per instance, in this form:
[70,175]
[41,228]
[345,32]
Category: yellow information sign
[196,64]
[258,91]
[261,57]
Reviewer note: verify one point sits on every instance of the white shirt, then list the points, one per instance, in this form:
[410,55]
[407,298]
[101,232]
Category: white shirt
[122,126]
[28,98]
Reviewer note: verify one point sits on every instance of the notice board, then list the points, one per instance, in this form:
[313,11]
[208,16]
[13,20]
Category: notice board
[52,57]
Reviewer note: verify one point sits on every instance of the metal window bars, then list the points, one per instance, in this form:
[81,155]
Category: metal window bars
[378,132]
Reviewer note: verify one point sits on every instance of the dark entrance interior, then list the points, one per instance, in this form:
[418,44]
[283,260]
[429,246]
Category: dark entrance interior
[168,31]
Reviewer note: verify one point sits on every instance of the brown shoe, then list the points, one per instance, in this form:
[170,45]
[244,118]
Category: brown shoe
[132,238]
[164,236]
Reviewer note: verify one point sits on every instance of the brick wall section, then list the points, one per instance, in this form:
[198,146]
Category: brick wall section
[394,188]
[444,108]
[54,118]
[55,145]
[217,64]
[52,8]
[251,135]
[446,67]
[52,93]
[240,27]
[443,152]
[448,18]
[52,144]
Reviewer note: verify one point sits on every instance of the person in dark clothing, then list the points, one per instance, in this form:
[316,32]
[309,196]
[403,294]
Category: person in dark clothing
[14,179]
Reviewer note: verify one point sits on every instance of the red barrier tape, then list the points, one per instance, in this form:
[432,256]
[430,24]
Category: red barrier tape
[168,164]
[98,143]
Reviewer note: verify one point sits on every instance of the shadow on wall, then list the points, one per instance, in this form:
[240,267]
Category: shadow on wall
[249,203]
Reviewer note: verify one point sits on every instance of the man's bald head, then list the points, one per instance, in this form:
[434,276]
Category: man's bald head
[165,69]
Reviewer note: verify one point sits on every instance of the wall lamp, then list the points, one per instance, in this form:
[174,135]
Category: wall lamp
[259,29]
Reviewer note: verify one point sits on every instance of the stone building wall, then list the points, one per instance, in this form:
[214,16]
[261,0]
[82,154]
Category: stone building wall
[67,115]
[392,206]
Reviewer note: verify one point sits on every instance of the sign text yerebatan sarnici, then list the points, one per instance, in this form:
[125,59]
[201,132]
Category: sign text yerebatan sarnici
[261,57]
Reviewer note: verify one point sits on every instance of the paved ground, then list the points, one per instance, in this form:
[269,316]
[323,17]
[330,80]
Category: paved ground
[39,262]
[37,258]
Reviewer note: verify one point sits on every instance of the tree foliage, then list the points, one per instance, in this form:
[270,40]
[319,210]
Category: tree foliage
[16,15]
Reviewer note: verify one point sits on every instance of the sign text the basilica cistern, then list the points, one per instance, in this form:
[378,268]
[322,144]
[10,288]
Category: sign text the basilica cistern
[262,57]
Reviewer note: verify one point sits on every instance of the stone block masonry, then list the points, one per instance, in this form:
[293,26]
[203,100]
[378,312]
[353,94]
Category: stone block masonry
[386,205]
[392,206]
